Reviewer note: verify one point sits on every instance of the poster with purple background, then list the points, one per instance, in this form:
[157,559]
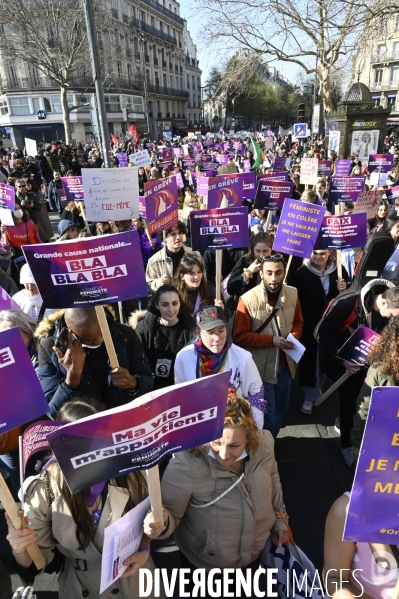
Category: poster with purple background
[6,301]
[206,158]
[166,153]
[356,349]
[179,179]
[142,208]
[373,515]
[381,163]
[270,195]
[249,185]
[324,168]
[278,164]
[339,232]
[273,177]
[7,196]
[392,194]
[176,152]
[342,168]
[23,399]
[73,187]
[298,228]
[221,158]
[35,439]
[88,272]
[247,165]
[226,187]
[346,189]
[122,159]
[188,163]
[219,229]
[138,435]
[161,204]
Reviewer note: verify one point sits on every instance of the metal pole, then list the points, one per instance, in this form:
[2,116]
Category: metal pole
[142,42]
[102,112]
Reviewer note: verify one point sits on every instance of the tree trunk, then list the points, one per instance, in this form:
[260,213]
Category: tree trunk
[325,90]
[66,114]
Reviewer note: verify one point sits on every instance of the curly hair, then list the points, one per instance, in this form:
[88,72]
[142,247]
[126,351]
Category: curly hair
[385,353]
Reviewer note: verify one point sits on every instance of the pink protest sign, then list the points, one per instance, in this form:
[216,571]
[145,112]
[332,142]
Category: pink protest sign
[161,204]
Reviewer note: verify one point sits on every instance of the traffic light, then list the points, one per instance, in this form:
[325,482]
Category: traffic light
[301,113]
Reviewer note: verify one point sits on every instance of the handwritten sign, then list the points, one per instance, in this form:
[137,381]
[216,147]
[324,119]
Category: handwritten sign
[140,158]
[111,193]
[368,202]
[309,171]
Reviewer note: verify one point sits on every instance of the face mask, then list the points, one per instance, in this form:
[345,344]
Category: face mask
[92,346]
[242,456]
[18,213]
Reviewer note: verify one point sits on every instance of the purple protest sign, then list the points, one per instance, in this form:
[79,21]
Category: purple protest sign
[221,158]
[247,165]
[166,153]
[6,302]
[122,159]
[88,272]
[298,228]
[188,163]
[142,208]
[346,189]
[342,168]
[392,194]
[179,179]
[278,164]
[23,399]
[34,439]
[270,195]
[373,515]
[7,196]
[202,184]
[219,229]
[339,232]
[176,152]
[324,168]
[273,177]
[226,187]
[380,163]
[73,187]
[249,185]
[135,437]
[357,348]
[161,204]
[206,158]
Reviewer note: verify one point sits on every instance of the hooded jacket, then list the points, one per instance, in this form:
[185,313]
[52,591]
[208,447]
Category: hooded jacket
[52,374]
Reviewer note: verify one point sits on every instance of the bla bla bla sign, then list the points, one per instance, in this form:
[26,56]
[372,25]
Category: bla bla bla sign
[219,226]
[88,270]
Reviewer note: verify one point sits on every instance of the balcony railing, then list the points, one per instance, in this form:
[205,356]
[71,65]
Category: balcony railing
[165,11]
[164,64]
[153,31]
[385,85]
[167,91]
[386,57]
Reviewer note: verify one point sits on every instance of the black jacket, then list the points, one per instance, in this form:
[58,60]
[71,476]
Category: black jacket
[161,349]
[45,169]
[229,260]
[130,356]
[235,284]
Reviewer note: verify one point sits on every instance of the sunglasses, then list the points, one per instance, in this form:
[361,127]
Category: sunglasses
[273,258]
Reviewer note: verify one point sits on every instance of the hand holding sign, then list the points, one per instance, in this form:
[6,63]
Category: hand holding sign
[122,378]
[73,360]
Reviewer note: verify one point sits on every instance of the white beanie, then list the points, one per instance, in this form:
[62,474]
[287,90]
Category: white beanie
[26,275]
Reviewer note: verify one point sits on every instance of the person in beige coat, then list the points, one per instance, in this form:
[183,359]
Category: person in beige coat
[60,520]
[223,500]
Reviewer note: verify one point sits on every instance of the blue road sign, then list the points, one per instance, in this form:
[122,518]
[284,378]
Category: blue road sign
[41,115]
[300,130]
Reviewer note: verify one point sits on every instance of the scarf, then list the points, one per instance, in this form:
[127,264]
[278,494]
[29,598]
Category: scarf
[208,362]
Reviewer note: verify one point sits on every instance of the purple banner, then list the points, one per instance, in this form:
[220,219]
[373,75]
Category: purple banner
[176,152]
[346,189]
[6,302]
[270,195]
[239,147]
[226,187]
[161,204]
[339,232]
[219,229]
[166,153]
[298,228]
[324,168]
[392,194]
[273,177]
[142,208]
[373,515]
[34,439]
[188,163]
[380,163]
[88,272]
[279,164]
[122,159]
[137,437]
[358,346]
[7,196]
[342,168]
[73,187]
[206,158]
[23,399]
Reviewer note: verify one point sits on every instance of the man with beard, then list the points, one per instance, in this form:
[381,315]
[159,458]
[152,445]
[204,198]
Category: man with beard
[265,316]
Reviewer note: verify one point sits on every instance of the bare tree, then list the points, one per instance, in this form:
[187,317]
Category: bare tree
[46,40]
[314,34]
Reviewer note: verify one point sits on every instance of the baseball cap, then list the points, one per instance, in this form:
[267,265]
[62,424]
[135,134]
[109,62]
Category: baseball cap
[210,317]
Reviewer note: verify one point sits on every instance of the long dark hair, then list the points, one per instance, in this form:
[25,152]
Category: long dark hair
[185,267]
[385,353]
[25,216]
[134,483]
[389,222]
[184,309]
[261,237]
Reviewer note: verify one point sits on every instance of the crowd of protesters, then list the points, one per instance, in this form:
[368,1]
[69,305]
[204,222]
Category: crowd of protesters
[187,329]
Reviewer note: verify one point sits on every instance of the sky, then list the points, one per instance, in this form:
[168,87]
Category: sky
[207,58]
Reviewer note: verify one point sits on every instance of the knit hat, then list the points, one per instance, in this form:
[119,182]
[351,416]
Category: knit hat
[26,275]
[210,317]
[64,225]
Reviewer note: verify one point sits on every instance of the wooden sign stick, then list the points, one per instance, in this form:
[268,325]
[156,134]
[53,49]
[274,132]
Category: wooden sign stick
[331,389]
[18,521]
[287,268]
[268,220]
[109,344]
[83,213]
[218,258]
[339,252]
[165,269]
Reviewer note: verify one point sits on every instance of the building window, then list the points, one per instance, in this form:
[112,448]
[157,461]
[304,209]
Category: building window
[112,104]
[3,106]
[395,76]
[391,100]
[164,80]
[123,6]
[381,51]
[377,101]
[396,50]
[129,71]
[378,77]
[384,25]
[19,106]
[47,105]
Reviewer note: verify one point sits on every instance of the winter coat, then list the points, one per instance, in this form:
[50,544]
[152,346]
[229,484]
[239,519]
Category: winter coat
[43,221]
[155,267]
[160,349]
[232,532]
[235,284]
[314,302]
[52,374]
[373,379]
[45,169]
[53,197]
[55,527]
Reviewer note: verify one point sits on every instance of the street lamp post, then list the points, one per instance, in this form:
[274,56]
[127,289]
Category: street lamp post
[142,38]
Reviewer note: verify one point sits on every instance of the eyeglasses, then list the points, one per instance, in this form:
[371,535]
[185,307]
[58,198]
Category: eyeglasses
[273,258]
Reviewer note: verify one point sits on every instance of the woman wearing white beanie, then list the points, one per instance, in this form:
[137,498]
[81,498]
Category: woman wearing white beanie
[29,299]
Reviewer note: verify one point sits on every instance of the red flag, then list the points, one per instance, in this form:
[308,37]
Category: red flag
[115,140]
[133,132]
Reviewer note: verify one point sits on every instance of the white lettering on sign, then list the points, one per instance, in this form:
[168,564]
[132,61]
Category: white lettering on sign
[6,357]
[90,276]
[220,230]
